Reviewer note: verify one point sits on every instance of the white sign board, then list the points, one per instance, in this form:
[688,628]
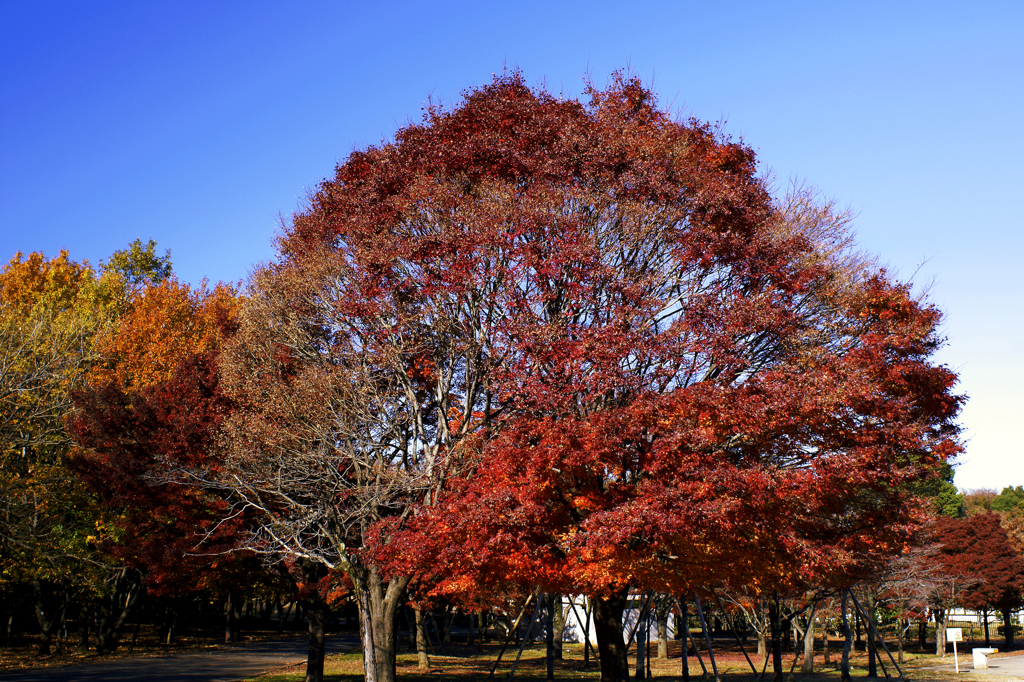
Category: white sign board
[954,634]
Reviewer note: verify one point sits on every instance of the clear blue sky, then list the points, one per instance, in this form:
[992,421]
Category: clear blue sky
[197,124]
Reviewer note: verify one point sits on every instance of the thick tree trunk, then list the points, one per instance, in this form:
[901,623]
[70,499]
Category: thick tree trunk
[1008,628]
[661,613]
[316,617]
[808,664]
[984,614]
[422,658]
[940,632]
[608,631]
[378,607]
[642,639]
[922,634]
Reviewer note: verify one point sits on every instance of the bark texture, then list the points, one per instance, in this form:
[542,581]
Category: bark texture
[608,630]
[378,608]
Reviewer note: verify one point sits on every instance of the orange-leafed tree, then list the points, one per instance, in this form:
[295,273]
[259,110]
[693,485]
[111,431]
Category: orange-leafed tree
[152,403]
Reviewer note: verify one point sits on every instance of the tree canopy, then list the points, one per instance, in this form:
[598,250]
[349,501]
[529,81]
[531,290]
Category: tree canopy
[583,344]
[532,343]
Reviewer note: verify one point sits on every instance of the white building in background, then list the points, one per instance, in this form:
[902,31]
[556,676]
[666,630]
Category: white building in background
[994,617]
[576,623]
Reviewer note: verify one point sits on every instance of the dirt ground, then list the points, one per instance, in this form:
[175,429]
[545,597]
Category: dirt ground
[24,654]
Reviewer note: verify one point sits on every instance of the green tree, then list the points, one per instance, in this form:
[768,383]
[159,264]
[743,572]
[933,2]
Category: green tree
[138,265]
[1012,497]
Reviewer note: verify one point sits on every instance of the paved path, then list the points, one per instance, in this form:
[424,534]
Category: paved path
[225,664]
[1011,666]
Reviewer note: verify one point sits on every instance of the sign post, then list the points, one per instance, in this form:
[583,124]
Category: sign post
[955,635]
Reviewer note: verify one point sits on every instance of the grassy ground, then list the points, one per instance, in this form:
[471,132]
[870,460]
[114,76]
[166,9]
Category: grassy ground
[466,663]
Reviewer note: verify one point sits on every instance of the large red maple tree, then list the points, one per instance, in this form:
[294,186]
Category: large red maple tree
[727,403]
[582,342]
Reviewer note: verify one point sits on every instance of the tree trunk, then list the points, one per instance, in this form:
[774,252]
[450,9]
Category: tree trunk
[172,622]
[984,614]
[587,611]
[844,666]
[47,625]
[549,634]
[559,625]
[869,607]
[316,617]
[448,618]
[922,634]
[378,606]
[113,610]
[643,639]
[1008,628]
[684,629]
[940,632]
[825,657]
[422,658]
[661,613]
[230,621]
[608,631]
[84,616]
[808,664]
[856,628]
[773,616]
[901,632]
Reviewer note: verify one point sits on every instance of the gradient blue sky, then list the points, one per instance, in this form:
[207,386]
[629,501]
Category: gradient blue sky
[198,124]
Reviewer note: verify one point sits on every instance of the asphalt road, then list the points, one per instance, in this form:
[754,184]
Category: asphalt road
[225,664]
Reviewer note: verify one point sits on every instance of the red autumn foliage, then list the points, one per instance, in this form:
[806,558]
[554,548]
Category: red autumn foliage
[740,419]
[576,345]
[131,437]
[976,553]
